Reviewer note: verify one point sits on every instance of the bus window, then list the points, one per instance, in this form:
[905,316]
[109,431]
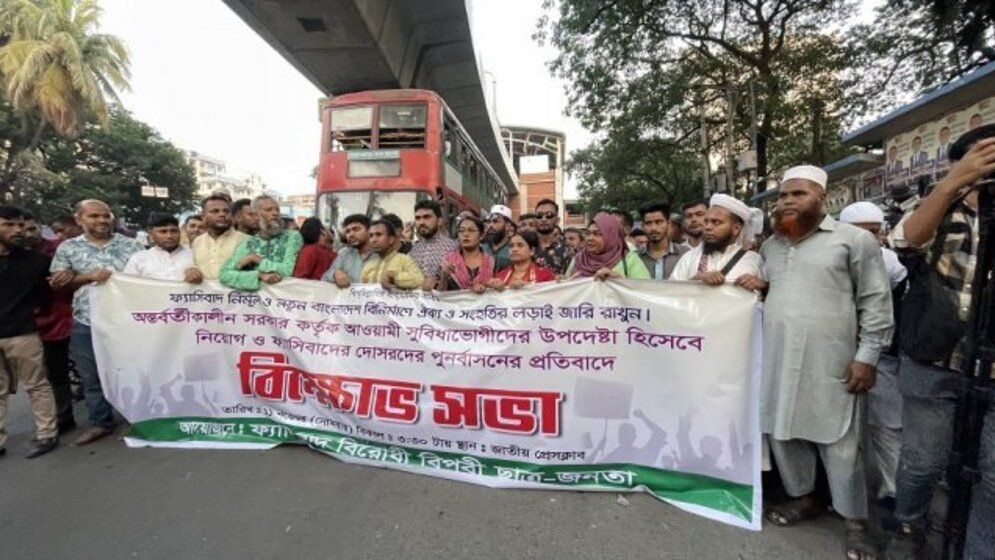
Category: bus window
[352,128]
[402,126]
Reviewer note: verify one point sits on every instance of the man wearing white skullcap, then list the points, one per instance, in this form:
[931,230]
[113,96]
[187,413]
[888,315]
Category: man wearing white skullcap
[722,257]
[827,317]
[884,402]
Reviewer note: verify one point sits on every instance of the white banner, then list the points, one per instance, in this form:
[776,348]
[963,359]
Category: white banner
[583,385]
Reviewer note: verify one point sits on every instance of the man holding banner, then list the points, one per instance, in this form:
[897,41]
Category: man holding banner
[827,317]
[269,256]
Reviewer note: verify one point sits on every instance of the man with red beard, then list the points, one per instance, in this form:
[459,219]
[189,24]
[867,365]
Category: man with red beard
[827,317]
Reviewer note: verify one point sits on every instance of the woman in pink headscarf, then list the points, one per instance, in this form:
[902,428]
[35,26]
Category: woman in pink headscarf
[605,254]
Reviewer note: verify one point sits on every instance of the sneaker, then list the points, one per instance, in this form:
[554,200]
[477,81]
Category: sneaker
[42,446]
[908,543]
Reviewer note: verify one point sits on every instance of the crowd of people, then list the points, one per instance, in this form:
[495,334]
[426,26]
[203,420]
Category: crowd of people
[837,387]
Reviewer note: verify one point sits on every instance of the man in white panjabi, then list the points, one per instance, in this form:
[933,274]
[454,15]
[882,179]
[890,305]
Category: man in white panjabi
[722,256]
[884,402]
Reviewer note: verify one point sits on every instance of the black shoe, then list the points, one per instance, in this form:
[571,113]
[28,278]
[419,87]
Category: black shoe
[2,451]
[42,446]
[68,426]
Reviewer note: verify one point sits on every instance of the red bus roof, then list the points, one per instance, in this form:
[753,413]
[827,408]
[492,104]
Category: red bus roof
[379,95]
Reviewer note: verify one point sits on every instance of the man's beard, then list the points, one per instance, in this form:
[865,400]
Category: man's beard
[796,224]
[270,229]
[717,246]
[544,229]
[426,233]
[495,237]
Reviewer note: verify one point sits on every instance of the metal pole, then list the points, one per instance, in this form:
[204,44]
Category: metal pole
[730,157]
[753,133]
[704,150]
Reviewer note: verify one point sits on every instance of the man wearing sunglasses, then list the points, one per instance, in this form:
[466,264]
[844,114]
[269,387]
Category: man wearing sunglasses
[552,253]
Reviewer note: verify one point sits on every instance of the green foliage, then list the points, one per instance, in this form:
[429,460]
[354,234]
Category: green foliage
[111,163]
[645,74]
[916,45]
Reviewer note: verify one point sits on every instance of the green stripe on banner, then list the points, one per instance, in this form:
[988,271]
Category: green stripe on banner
[716,494]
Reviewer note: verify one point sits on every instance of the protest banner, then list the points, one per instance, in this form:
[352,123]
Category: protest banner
[584,385]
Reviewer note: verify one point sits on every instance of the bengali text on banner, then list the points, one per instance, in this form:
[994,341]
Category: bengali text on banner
[583,385]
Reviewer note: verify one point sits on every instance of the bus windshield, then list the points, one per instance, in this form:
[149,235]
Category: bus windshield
[352,128]
[333,207]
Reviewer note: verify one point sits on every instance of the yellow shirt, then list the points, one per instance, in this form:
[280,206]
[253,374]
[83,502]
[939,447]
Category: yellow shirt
[407,274]
[209,254]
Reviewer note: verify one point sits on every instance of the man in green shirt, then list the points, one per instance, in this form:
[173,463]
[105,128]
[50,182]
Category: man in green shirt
[268,256]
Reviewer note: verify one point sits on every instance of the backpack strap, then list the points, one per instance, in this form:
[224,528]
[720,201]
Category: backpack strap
[732,262]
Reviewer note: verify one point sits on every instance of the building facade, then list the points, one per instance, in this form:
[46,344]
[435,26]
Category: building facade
[214,176]
[537,155]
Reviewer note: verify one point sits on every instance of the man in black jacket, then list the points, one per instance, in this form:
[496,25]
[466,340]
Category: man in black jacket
[23,275]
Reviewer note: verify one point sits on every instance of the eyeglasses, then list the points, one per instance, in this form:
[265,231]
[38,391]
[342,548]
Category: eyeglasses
[545,215]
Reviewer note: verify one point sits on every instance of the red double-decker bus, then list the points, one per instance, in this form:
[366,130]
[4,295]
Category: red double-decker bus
[382,151]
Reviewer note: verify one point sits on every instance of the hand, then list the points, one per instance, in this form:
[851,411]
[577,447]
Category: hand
[606,273]
[447,268]
[429,284]
[100,275]
[249,260]
[387,279]
[193,275]
[860,377]
[270,277]
[714,278]
[978,162]
[751,282]
[478,288]
[495,284]
[60,279]
[341,279]
[517,284]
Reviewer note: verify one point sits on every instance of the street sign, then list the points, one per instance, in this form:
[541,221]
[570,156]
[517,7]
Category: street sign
[148,191]
[162,192]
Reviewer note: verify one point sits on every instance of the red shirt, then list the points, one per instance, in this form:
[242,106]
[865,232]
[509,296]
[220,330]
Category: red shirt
[536,275]
[312,261]
[55,320]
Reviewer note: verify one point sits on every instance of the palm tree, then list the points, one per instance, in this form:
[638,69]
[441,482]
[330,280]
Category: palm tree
[56,70]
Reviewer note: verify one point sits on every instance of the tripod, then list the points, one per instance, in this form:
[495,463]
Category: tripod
[976,392]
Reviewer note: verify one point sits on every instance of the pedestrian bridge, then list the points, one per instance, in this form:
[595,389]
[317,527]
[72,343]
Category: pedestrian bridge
[344,46]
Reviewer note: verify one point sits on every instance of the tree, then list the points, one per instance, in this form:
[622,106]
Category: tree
[626,171]
[658,69]
[57,71]
[915,45]
[111,163]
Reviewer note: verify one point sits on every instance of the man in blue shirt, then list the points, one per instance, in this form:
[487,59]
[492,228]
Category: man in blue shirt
[348,266]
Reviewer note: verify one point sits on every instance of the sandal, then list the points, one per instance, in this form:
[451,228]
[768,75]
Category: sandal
[860,544]
[793,512]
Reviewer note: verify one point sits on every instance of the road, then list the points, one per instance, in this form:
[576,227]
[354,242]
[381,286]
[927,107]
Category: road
[107,501]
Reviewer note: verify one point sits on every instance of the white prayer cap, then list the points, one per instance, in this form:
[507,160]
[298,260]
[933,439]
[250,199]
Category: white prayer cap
[745,213]
[862,213]
[731,204]
[807,172]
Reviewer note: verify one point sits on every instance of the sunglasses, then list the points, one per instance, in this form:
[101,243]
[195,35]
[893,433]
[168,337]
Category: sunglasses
[545,215]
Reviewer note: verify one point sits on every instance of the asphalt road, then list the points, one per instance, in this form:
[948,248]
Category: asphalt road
[106,501]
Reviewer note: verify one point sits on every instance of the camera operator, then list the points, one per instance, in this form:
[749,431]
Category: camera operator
[933,339]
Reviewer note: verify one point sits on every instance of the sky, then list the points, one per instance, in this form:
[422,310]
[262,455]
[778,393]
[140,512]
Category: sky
[208,83]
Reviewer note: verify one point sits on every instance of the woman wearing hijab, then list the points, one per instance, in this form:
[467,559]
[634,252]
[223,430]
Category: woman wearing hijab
[523,270]
[469,267]
[605,254]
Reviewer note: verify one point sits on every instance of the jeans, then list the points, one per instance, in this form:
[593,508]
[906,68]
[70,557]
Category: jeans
[57,365]
[930,400]
[81,347]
